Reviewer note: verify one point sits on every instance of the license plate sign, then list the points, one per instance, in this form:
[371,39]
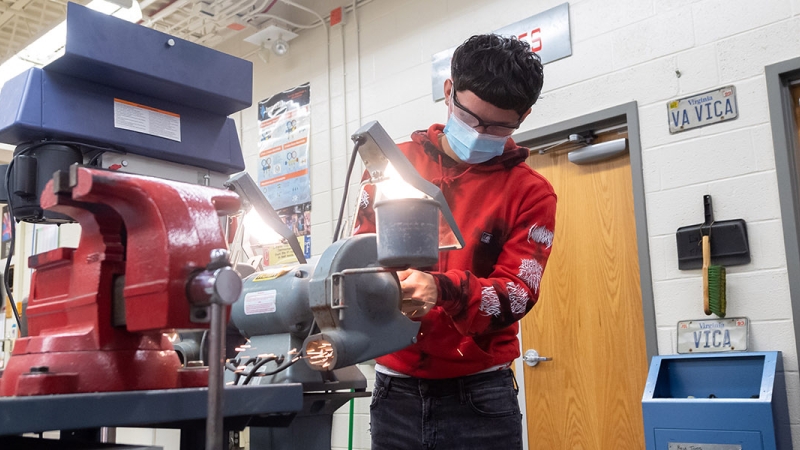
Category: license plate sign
[715,335]
[703,109]
[679,446]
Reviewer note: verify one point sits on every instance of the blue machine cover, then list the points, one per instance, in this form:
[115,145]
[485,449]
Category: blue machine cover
[109,60]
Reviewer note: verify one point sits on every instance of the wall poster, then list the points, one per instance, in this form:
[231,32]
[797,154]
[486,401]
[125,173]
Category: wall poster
[284,124]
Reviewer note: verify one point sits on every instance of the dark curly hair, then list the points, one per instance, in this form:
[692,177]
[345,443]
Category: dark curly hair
[499,70]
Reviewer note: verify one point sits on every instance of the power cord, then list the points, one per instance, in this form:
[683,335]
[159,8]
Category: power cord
[237,367]
[358,142]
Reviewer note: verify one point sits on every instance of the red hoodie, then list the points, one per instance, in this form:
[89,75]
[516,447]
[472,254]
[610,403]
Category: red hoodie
[506,214]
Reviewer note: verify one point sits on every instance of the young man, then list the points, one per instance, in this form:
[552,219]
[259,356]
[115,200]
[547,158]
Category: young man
[453,388]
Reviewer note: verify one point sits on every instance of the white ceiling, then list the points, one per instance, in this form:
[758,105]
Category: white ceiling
[22,21]
[209,22]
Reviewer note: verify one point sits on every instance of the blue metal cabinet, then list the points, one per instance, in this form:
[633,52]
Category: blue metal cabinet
[727,401]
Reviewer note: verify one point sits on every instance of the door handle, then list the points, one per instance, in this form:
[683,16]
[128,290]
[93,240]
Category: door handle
[532,358]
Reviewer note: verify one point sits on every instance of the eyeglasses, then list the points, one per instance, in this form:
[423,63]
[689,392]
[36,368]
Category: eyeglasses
[493,128]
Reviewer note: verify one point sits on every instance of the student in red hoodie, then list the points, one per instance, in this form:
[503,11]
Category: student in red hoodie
[453,388]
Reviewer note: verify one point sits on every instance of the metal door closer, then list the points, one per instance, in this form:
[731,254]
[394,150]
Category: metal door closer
[128,135]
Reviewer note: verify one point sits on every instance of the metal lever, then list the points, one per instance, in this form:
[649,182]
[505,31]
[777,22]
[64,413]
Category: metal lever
[215,288]
[532,358]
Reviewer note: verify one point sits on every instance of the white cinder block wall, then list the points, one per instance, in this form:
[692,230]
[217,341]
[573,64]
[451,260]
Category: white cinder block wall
[650,51]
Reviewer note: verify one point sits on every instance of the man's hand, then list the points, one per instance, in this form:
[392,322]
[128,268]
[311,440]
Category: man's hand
[419,292]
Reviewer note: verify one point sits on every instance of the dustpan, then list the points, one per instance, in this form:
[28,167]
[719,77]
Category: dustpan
[729,243]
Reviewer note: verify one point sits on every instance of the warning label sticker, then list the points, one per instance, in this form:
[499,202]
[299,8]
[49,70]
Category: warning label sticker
[144,119]
[262,302]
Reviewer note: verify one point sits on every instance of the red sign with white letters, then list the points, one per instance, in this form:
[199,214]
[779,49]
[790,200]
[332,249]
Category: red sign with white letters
[547,33]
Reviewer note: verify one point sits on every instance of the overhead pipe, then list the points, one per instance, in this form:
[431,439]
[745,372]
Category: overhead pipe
[308,10]
[194,14]
[291,24]
[236,9]
[358,86]
[224,17]
[145,3]
[168,9]
[210,35]
[261,9]
[242,16]
[265,6]
[198,20]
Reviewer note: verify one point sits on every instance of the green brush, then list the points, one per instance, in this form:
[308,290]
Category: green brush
[713,283]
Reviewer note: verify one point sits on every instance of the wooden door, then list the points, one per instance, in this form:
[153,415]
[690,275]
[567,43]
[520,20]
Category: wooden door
[795,91]
[589,314]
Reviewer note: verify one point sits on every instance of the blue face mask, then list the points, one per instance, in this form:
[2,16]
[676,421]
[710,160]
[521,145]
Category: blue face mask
[469,145]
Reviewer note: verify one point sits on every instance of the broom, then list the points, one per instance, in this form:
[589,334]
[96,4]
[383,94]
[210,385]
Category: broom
[713,281]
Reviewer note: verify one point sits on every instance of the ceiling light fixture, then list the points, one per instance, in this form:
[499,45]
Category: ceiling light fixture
[280,47]
[273,38]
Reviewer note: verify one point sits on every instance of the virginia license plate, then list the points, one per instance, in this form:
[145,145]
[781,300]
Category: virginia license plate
[714,335]
[680,446]
[703,109]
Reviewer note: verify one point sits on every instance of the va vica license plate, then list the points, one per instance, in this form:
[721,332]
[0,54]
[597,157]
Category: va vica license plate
[678,446]
[714,335]
[703,109]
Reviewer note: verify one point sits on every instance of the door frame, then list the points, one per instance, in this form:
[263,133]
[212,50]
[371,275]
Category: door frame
[624,114]
[787,157]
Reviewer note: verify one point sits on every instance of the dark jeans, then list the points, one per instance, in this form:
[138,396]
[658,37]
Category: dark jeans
[474,412]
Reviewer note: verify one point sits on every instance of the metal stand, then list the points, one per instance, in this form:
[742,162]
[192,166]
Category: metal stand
[27,443]
[83,415]
[310,430]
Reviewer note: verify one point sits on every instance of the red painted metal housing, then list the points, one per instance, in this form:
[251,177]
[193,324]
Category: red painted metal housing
[147,236]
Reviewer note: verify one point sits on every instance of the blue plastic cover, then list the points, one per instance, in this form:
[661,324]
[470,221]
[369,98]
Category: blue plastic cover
[123,55]
[21,107]
[109,61]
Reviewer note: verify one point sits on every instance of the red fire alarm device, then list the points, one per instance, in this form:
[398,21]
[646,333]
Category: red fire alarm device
[336,16]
